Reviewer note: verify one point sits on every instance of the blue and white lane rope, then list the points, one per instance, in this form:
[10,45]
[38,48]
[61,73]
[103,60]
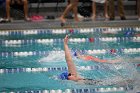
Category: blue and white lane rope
[72,40]
[128,30]
[98,90]
[54,69]
[46,69]
[95,90]
[41,53]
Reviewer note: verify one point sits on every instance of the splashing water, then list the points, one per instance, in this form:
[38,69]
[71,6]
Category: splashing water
[53,56]
[125,74]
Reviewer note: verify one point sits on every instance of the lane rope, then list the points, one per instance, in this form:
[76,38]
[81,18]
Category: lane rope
[66,31]
[84,90]
[72,40]
[98,51]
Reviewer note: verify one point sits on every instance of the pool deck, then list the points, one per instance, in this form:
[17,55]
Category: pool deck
[56,24]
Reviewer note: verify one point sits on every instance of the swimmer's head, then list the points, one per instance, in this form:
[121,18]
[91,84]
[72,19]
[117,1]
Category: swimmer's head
[76,53]
[112,51]
[72,77]
[66,76]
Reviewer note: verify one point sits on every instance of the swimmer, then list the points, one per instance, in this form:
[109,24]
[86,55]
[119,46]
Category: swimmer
[72,72]
[95,59]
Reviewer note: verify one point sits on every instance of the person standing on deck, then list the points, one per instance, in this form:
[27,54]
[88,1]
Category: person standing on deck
[73,4]
[94,8]
[120,7]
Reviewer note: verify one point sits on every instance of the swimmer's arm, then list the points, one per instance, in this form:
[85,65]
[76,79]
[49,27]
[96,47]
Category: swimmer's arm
[98,59]
[68,57]
[90,58]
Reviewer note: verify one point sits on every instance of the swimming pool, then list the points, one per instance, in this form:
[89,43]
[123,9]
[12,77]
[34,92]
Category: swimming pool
[32,59]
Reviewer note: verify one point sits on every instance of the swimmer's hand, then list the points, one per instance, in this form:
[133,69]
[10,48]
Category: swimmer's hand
[66,39]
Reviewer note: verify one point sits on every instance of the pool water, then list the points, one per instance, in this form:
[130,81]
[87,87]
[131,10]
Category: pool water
[26,56]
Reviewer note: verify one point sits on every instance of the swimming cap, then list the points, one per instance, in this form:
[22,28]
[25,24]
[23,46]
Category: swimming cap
[64,76]
[81,52]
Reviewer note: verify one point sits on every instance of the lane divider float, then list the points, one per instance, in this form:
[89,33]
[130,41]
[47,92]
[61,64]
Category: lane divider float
[72,40]
[84,90]
[96,51]
[116,30]
[45,69]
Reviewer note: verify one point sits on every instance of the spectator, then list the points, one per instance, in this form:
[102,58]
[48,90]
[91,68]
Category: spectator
[71,6]
[138,1]
[78,15]
[120,9]
[94,8]
[25,6]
